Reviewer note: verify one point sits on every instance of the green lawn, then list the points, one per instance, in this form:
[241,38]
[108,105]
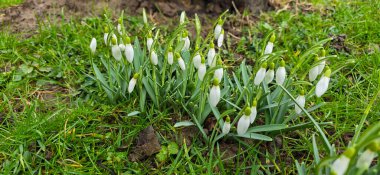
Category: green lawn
[55,119]
[6,3]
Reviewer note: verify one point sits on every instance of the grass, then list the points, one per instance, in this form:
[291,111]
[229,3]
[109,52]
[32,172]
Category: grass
[54,121]
[7,3]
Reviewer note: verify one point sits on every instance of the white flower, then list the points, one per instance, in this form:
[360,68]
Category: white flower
[301,101]
[281,73]
[119,28]
[323,84]
[181,63]
[186,46]
[153,58]
[116,53]
[226,126]
[259,77]
[202,71]
[170,56]
[129,52]
[269,75]
[93,45]
[220,39]
[321,66]
[365,159]
[218,74]
[197,60]
[340,165]
[214,96]
[182,17]
[211,59]
[132,83]
[105,38]
[149,43]
[218,29]
[313,73]
[253,115]
[244,122]
[122,47]
[269,47]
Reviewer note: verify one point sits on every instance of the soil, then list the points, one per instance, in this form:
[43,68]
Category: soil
[25,17]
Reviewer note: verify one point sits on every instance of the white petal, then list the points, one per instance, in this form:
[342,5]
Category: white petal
[122,47]
[217,31]
[226,128]
[269,48]
[186,46]
[313,73]
[220,40]
[211,59]
[153,58]
[253,115]
[116,53]
[119,28]
[269,75]
[365,159]
[197,61]
[219,74]
[301,101]
[105,38]
[93,45]
[182,17]
[181,64]
[129,53]
[322,86]
[170,58]
[149,43]
[259,76]
[280,75]
[201,71]
[131,85]
[243,125]
[340,165]
[214,96]
[321,66]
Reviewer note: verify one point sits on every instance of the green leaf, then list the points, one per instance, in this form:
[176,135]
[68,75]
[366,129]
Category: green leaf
[133,113]
[244,73]
[266,128]
[255,136]
[163,154]
[150,91]
[173,148]
[183,123]
[26,69]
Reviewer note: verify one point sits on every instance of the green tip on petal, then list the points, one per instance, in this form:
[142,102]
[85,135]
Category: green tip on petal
[302,92]
[264,65]
[271,65]
[113,40]
[170,49]
[136,75]
[228,120]
[272,38]
[211,45]
[150,35]
[350,152]
[328,72]
[282,63]
[127,40]
[220,21]
[247,111]
[254,103]
[106,29]
[177,56]
[215,82]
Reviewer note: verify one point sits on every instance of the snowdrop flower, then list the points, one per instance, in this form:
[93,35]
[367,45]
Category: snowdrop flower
[181,62]
[129,52]
[244,122]
[313,73]
[214,96]
[93,45]
[145,19]
[322,64]
[340,165]
[220,39]
[301,101]
[323,83]
[226,126]
[218,29]
[182,17]
[153,58]
[132,83]
[269,75]
[170,55]
[149,41]
[116,53]
[106,35]
[186,45]
[281,73]
[197,58]
[202,69]
[122,47]
[211,59]
[269,47]
[219,72]
[119,26]
[366,158]
[260,74]
[253,115]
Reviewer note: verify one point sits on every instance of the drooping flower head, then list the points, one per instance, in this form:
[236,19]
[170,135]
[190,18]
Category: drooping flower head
[202,69]
[269,47]
[340,165]
[129,52]
[185,38]
[106,32]
[281,73]
[260,74]
[93,45]
[197,58]
[301,102]
[132,83]
[313,73]
[149,41]
[253,115]
[219,72]
[116,53]
[218,28]
[170,55]
[269,75]
[366,158]
[214,96]
[322,64]
[211,58]
[221,38]
[323,83]
[244,121]
[153,57]
[181,63]
[226,126]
